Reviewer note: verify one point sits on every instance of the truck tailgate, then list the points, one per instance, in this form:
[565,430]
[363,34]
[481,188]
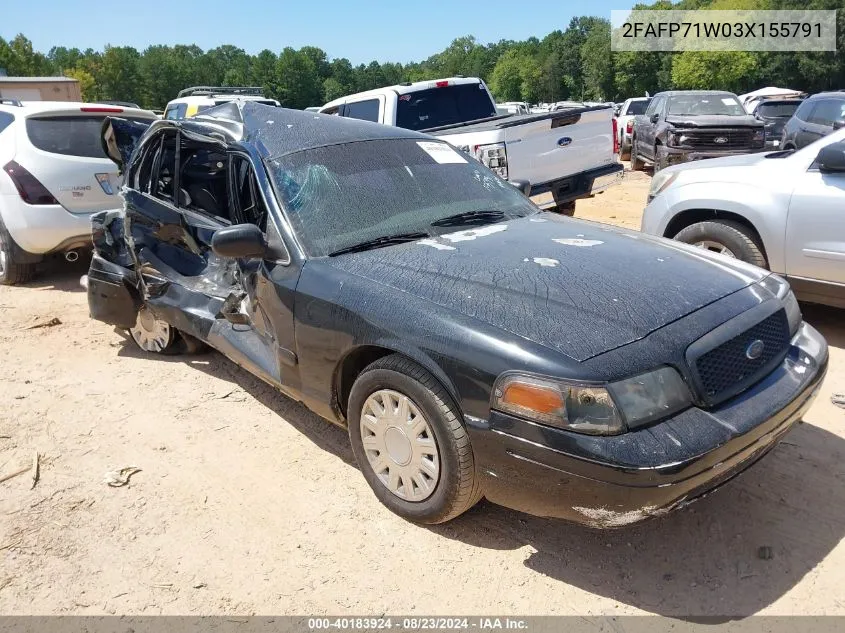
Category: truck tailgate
[543,148]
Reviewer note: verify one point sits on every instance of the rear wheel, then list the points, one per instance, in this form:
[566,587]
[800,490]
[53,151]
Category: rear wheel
[567,208]
[12,271]
[409,442]
[727,238]
[151,334]
[637,163]
[624,152]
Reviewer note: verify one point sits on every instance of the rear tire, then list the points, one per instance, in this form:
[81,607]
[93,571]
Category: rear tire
[637,163]
[735,238]
[567,209]
[418,459]
[12,270]
[624,153]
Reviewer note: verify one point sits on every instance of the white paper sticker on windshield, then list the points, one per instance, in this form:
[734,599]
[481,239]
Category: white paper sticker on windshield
[441,152]
[728,101]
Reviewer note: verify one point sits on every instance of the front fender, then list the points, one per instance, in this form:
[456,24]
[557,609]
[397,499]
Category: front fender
[764,210]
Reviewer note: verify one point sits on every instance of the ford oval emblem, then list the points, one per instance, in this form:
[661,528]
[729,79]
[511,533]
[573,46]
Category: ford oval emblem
[721,140]
[563,142]
[755,349]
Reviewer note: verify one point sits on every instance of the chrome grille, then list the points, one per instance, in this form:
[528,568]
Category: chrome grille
[707,139]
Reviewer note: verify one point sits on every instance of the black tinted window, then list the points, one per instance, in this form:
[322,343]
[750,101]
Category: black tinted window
[164,169]
[365,110]
[777,109]
[342,195]
[638,107]
[68,135]
[803,111]
[5,120]
[443,106]
[827,111]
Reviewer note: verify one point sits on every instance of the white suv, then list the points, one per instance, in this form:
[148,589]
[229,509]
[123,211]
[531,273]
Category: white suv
[191,101]
[54,174]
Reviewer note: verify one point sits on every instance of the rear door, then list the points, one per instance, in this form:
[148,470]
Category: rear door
[176,199]
[64,151]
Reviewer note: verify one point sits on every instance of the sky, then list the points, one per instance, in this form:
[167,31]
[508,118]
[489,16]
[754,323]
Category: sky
[360,30]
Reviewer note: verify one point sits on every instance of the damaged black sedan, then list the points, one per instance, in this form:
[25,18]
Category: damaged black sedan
[471,344]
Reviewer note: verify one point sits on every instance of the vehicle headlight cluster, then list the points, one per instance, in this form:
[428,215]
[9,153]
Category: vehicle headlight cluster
[661,182]
[779,287]
[607,409]
[676,139]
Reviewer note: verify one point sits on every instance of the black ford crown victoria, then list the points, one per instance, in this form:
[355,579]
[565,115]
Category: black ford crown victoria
[473,345]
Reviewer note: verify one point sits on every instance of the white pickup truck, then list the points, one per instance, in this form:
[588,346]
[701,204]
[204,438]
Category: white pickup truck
[557,157]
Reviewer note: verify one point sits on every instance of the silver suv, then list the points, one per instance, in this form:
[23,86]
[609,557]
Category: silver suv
[784,211]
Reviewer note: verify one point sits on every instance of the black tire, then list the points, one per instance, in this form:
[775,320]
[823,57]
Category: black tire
[458,486]
[12,270]
[624,153]
[637,163]
[661,159]
[736,237]
[567,208]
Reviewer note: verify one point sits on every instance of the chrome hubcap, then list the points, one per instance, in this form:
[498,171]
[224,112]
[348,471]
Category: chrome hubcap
[151,334]
[715,247]
[400,445]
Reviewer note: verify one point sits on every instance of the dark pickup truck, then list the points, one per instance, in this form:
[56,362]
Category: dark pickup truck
[681,126]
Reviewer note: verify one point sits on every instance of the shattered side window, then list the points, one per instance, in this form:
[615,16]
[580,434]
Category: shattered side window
[249,205]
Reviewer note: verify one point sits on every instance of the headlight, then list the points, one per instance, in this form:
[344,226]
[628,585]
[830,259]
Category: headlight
[592,409]
[779,287]
[759,136]
[675,139]
[660,182]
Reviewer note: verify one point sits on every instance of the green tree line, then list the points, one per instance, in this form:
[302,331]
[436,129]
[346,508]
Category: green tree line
[575,63]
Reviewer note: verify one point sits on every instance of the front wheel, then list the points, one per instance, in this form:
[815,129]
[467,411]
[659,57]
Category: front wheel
[409,442]
[637,163]
[727,238]
[151,334]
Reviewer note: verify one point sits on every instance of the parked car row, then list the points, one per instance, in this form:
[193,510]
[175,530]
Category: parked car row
[679,126]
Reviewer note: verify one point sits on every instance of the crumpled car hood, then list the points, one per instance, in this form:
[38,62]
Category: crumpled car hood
[570,285]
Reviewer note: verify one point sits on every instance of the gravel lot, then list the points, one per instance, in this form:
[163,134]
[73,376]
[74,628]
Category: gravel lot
[247,503]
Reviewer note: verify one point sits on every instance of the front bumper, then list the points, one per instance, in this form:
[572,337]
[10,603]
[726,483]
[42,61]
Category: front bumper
[614,481]
[678,155]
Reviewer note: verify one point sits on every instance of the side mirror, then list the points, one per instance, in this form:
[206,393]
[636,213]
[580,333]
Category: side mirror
[240,241]
[654,118]
[831,158]
[838,125]
[523,185]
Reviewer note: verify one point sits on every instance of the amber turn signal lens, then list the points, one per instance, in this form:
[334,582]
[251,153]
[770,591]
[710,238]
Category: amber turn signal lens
[533,397]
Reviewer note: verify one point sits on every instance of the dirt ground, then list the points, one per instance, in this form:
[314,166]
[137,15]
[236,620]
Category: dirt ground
[246,503]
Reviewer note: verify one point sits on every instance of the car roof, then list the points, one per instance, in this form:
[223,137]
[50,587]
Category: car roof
[680,93]
[275,131]
[27,108]
[827,95]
